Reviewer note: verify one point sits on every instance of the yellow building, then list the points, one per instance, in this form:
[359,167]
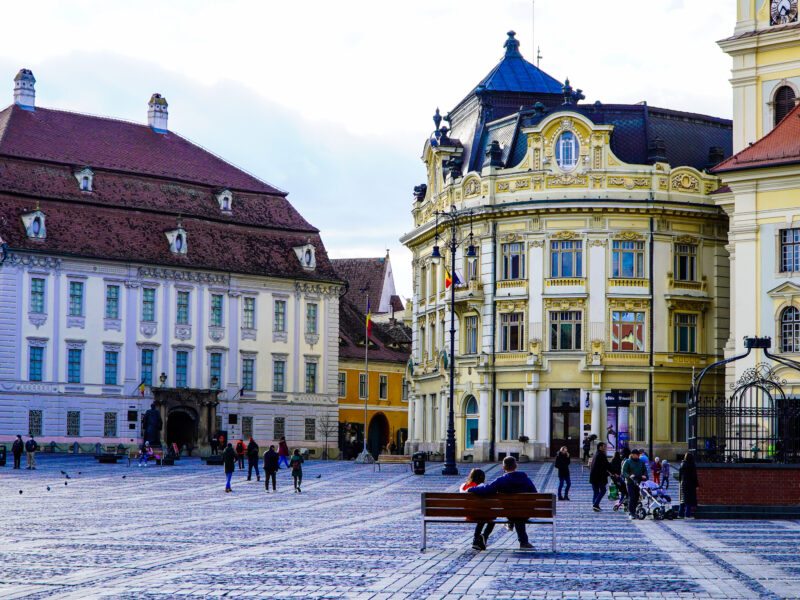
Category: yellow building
[386,396]
[762,193]
[600,278]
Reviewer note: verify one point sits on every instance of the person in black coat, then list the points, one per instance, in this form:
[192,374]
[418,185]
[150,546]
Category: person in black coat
[562,464]
[16,449]
[252,460]
[615,466]
[598,475]
[270,467]
[229,460]
[687,475]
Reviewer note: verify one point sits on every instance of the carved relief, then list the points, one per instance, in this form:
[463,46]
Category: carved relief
[485,188]
[44,262]
[216,333]
[597,181]
[686,183]
[502,186]
[148,329]
[686,239]
[602,243]
[566,180]
[628,304]
[522,184]
[183,332]
[564,303]
[629,183]
[565,235]
[536,244]
[323,289]
[37,319]
[199,277]
[598,221]
[112,324]
[598,158]
[628,235]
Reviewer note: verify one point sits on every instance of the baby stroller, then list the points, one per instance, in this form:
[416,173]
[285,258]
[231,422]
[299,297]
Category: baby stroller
[653,500]
[622,490]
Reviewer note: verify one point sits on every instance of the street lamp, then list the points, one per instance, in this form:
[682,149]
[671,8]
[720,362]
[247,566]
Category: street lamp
[452,218]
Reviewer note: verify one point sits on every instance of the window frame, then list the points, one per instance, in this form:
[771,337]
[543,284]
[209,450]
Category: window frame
[215,369]
[638,325]
[70,415]
[248,374]
[620,248]
[181,362]
[685,321]
[311,377]
[310,429]
[279,316]
[341,384]
[76,299]
[312,316]
[148,305]
[676,406]
[40,360]
[571,319]
[32,414]
[106,428]
[790,248]
[74,365]
[111,301]
[383,387]
[362,386]
[110,368]
[215,310]
[471,334]
[507,325]
[37,297]
[559,250]
[512,418]
[567,143]
[279,375]
[146,369]
[685,253]
[512,261]
[248,313]
[794,325]
[183,310]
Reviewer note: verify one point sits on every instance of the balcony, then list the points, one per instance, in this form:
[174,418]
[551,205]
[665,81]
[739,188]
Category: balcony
[687,286]
[472,293]
[565,285]
[628,285]
[627,358]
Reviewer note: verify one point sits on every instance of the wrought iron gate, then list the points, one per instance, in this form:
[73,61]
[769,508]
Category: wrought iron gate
[757,422]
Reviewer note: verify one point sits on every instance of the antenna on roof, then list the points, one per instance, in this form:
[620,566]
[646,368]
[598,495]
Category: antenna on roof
[538,57]
[533,26]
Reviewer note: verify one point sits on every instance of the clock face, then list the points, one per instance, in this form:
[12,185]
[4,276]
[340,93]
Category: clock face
[782,12]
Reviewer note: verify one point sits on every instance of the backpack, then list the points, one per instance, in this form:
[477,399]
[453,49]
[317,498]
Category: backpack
[296,465]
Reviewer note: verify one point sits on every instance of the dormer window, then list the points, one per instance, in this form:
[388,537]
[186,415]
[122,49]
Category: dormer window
[225,199]
[34,223]
[85,177]
[177,240]
[306,254]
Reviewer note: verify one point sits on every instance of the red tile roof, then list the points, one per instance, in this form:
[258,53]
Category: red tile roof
[101,143]
[389,342]
[362,274]
[781,146]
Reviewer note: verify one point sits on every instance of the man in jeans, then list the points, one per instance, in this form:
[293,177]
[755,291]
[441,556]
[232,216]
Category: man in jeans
[634,471]
[30,449]
[511,482]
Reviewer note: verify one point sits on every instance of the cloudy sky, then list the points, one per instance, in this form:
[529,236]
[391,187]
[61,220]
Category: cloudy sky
[332,101]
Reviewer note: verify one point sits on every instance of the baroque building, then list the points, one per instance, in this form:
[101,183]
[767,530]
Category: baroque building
[600,281]
[761,195]
[381,402]
[143,269]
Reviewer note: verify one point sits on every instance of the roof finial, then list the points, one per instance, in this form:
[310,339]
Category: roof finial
[437,119]
[512,45]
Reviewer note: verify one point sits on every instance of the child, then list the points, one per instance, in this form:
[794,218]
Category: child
[296,465]
[655,466]
[478,477]
[665,469]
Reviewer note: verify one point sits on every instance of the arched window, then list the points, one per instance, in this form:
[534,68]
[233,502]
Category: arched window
[790,330]
[179,243]
[784,102]
[567,151]
[471,408]
[85,183]
[36,228]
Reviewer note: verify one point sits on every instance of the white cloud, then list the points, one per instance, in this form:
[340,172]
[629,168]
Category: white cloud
[332,100]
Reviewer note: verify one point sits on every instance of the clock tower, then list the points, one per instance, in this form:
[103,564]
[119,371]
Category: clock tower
[765,49]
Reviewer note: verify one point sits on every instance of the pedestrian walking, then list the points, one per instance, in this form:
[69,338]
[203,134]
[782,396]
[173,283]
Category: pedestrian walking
[214,445]
[252,460]
[296,464]
[562,464]
[625,453]
[687,476]
[229,460]
[16,449]
[633,473]
[283,453]
[240,451]
[30,451]
[645,459]
[666,468]
[598,475]
[655,467]
[587,446]
[475,478]
[511,482]
[270,467]
[615,466]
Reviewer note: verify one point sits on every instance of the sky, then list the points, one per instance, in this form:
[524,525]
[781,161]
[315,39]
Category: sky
[332,101]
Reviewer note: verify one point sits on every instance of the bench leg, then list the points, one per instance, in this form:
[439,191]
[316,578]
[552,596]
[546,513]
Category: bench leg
[554,533]
[424,535]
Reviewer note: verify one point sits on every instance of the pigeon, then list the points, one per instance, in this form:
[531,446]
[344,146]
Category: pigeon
[124,476]
[48,488]
[79,472]
[65,483]
[65,474]
[20,491]
[319,476]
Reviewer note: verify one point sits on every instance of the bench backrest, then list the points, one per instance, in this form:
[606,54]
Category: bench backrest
[386,458]
[507,506]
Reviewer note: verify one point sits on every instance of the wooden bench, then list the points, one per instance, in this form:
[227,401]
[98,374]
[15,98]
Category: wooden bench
[391,459]
[109,455]
[534,509]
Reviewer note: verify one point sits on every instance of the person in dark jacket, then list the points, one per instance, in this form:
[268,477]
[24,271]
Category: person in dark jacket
[562,464]
[511,482]
[633,473]
[270,467]
[598,475]
[615,466]
[241,449]
[16,449]
[30,450]
[625,453]
[687,475]
[252,460]
[229,460]
[587,447]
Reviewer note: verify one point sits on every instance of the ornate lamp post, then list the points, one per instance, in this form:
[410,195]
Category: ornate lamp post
[451,219]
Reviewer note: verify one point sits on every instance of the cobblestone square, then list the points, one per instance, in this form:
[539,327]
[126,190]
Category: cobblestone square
[118,532]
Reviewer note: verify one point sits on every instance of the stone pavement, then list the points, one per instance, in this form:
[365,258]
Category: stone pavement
[172,534]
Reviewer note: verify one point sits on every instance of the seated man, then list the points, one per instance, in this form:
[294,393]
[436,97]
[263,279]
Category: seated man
[511,482]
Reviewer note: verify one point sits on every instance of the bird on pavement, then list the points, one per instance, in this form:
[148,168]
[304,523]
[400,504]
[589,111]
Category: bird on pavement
[65,474]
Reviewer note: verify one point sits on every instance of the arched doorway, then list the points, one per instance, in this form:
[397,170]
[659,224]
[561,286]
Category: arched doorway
[470,422]
[182,428]
[378,434]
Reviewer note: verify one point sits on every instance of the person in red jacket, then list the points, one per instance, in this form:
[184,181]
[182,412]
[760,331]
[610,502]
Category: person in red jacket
[482,529]
[240,450]
[283,453]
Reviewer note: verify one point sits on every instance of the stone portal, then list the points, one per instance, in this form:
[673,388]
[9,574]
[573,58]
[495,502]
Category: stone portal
[188,415]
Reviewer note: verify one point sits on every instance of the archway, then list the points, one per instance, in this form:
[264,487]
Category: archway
[182,428]
[378,434]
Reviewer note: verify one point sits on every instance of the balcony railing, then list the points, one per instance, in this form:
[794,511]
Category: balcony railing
[565,282]
[628,282]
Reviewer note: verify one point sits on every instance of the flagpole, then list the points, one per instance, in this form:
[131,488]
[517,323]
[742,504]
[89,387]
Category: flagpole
[366,457]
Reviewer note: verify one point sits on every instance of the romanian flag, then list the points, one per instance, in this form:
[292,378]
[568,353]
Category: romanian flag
[369,321]
[450,279]
[141,388]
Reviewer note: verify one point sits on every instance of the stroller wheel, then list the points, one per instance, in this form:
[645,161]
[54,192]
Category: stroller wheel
[641,513]
[670,514]
[658,513]
[615,508]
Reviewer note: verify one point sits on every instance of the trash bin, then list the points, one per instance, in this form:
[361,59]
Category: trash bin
[2,456]
[418,462]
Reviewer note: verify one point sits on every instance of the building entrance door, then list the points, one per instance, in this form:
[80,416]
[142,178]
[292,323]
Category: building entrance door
[182,428]
[565,421]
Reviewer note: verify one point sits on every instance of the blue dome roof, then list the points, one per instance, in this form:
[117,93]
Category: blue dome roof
[515,74]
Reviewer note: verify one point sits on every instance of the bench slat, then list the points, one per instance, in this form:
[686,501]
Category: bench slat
[445,495]
[473,513]
[488,502]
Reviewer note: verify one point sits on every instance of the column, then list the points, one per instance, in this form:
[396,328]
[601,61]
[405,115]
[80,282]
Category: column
[419,433]
[233,342]
[429,419]
[529,415]
[444,415]
[481,450]
[543,420]
[596,406]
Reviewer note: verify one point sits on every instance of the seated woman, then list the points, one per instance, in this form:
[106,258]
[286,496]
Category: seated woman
[145,454]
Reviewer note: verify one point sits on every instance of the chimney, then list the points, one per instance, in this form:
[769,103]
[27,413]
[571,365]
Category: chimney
[24,90]
[157,113]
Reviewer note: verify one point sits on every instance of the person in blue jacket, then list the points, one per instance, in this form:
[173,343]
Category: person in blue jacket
[511,482]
